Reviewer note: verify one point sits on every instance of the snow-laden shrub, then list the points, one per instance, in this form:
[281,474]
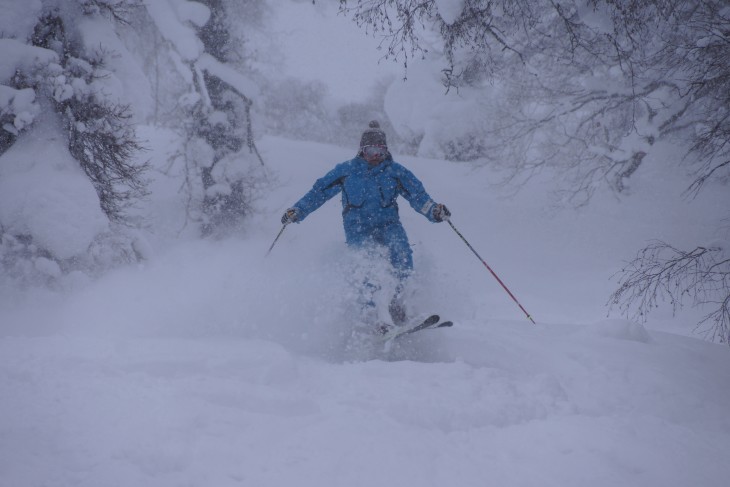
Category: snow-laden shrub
[67,147]
[23,263]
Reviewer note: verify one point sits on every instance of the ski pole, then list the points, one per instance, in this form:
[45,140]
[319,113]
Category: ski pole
[493,273]
[276,239]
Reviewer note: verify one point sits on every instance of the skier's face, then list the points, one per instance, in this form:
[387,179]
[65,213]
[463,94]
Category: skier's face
[374,154]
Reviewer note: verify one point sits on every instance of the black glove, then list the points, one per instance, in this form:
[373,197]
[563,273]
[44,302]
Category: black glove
[290,216]
[441,213]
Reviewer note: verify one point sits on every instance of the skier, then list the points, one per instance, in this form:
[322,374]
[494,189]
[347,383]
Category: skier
[370,184]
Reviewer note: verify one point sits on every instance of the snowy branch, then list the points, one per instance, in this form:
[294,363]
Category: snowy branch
[660,271]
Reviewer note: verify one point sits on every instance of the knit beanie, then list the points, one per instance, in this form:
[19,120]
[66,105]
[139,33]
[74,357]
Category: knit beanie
[373,135]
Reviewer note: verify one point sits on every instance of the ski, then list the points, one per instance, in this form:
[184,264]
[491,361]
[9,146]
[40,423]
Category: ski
[443,324]
[430,322]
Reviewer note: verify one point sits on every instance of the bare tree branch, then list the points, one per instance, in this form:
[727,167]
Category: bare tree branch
[661,272]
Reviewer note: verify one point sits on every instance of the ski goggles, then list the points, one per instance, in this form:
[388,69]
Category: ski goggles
[374,151]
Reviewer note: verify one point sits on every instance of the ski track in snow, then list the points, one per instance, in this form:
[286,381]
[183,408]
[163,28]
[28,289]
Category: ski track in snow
[211,366]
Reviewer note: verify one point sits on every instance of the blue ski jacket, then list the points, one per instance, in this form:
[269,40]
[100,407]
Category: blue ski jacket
[369,206]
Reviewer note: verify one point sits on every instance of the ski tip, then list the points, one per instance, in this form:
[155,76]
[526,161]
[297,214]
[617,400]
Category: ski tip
[432,320]
[445,324]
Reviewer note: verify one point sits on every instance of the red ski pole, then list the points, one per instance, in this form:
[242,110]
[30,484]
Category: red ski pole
[493,273]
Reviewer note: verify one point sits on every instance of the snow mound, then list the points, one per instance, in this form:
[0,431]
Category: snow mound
[44,193]
[622,330]
[17,55]
[19,19]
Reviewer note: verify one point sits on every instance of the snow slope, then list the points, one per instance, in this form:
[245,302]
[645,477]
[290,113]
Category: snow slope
[211,365]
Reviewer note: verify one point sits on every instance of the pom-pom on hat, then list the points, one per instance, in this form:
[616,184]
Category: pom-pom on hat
[373,135]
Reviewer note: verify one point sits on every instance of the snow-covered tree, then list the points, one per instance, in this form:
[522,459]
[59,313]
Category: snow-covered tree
[76,79]
[211,108]
[67,145]
[689,59]
[586,87]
